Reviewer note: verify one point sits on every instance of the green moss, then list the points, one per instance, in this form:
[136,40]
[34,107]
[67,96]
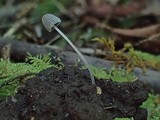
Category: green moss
[152,61]
[129,57]
[12,75]
[115,74]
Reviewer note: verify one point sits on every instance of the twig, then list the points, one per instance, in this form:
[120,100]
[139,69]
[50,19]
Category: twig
[154,37]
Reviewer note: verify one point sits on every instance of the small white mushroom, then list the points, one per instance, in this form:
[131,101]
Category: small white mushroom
[51,22]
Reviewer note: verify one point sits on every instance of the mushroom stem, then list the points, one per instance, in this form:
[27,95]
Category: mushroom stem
[77,51]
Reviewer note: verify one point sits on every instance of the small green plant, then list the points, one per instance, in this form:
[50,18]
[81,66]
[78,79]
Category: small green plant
[40,62]
[153,106]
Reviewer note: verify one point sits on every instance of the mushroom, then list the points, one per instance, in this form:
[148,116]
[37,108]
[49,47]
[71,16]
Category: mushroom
[51,22]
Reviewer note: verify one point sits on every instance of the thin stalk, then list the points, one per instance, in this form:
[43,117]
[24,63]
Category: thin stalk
[77,51]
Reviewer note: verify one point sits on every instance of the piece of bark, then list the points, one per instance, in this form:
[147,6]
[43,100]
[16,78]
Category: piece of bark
[20,49]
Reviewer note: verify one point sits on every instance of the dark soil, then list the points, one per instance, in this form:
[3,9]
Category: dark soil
[68,94]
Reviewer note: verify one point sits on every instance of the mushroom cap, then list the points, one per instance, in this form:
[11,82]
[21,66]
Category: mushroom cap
[50,21]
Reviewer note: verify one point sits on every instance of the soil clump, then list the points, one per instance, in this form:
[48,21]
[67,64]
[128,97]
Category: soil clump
[68,94]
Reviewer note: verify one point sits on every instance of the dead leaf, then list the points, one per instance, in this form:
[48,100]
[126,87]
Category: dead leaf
[102,10]
[148,43]
[155,37]
[95,2]
[144,32]
[92,21]
[126,10]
